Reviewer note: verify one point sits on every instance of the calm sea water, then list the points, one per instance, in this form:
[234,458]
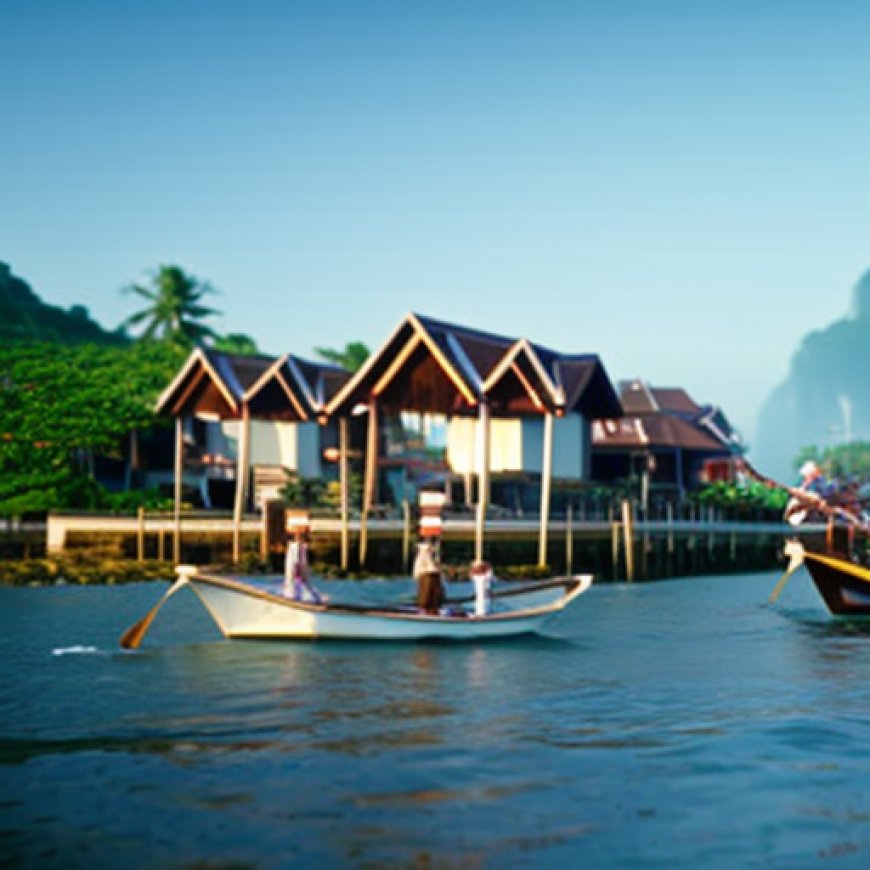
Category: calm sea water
[679,724]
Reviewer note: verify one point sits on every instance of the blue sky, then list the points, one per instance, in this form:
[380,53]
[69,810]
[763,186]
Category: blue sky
[683,188]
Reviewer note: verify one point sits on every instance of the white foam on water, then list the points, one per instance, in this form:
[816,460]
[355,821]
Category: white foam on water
[73,650]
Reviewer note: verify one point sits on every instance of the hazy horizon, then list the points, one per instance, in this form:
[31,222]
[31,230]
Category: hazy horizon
[684,192]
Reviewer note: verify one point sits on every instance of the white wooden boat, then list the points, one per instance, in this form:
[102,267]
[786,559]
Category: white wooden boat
[247,610]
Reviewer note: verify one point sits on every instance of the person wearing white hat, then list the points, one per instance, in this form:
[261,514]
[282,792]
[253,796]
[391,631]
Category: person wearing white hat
[812,482]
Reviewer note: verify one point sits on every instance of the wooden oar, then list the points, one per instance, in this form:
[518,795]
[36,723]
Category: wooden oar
[809,499]
[132,637]
[795,551]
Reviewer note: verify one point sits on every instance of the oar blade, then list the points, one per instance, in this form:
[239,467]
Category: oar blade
[795,552]
[132,637]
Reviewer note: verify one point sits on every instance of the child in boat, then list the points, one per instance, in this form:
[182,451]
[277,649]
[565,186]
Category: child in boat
[297,572]
[430,588]
[482,578]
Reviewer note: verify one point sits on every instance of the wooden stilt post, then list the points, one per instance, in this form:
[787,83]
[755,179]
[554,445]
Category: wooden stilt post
[241,481]
[546,482]
[569,541]
[179,472]
[140,535]
[711,538]
[614,546]
[343,483]
[628,534]
[670,520]
[482,479]
[371,480]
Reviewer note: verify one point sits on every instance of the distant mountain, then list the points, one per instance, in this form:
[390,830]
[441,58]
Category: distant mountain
[825,400]
[25,317]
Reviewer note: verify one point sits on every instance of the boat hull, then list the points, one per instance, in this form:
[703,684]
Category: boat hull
[242,610]
[843,585]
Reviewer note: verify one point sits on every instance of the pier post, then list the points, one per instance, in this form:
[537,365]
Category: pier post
[569,541]
[614,546]
[711,537]
[628,534]
[140,535]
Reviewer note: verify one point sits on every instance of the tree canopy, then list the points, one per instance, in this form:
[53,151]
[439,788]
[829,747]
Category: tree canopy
[237,343]
[351,358]
[60,404]
[174,311]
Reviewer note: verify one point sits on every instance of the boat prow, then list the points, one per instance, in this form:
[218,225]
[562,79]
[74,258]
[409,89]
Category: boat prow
[843,584]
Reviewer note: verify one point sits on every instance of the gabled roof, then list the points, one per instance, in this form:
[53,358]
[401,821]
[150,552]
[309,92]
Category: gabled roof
[440,367]
[219,384]
[293,389]
[213,383]
[530,378]
[651,431]
[426,365]
[656,417]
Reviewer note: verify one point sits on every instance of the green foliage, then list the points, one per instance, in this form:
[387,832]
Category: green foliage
[313,492]
[174,310]
[59,406]
[844,460]
[302,491]
[353,356]
[237,343]
[742,498]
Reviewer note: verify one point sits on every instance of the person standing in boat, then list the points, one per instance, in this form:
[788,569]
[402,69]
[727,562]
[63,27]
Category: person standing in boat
[482,578]
[427,573]
[813,483]
[297,570]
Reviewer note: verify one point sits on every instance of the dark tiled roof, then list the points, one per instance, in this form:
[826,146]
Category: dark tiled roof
[660,417]
[235,375]
[238,372]
[675,400]
[472,361]
[651,431]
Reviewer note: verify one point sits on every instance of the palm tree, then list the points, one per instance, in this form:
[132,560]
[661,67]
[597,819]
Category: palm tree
[355,353]
[174,311]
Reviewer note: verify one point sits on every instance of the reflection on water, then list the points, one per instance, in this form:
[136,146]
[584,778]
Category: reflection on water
[652,714]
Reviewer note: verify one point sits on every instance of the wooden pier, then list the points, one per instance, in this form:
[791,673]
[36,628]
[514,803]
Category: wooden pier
[625,548]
